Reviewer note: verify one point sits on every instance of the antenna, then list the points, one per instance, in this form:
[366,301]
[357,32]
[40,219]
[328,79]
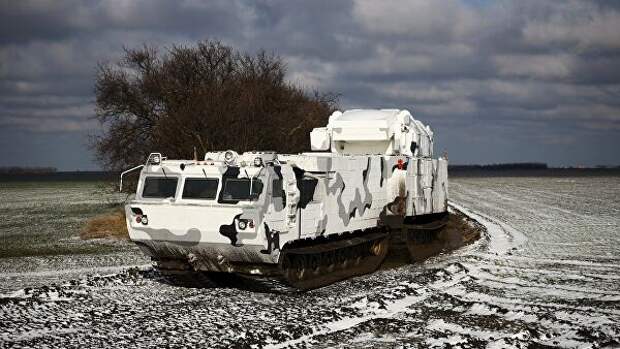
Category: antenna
[195,154]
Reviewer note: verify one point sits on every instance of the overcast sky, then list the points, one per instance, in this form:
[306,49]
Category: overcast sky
[499,81]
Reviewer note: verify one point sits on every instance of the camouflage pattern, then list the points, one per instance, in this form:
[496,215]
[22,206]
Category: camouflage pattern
[303,196]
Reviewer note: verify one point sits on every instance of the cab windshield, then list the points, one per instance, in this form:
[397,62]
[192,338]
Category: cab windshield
[159,187]
[236,189]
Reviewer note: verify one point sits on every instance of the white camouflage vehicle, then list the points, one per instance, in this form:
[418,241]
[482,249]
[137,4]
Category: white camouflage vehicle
[305,220]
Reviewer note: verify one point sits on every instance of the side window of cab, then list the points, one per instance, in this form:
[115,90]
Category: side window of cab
[278,193]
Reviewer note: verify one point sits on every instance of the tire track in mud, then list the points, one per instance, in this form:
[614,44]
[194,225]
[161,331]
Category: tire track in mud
[391,306]
[554,278]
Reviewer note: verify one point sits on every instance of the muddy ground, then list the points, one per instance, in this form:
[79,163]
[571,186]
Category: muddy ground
[545,273]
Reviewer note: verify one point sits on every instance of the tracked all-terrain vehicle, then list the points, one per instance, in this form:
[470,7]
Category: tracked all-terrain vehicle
[302,220]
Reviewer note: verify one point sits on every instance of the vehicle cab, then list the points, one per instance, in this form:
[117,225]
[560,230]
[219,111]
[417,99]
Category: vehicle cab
[190,206]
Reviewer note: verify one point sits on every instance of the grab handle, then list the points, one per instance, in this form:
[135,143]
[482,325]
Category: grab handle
[120,189]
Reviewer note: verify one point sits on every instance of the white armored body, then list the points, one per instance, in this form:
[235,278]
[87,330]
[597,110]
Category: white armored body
[305,220]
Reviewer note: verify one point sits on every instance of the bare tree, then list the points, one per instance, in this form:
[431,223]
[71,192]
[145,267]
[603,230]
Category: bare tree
[207,96]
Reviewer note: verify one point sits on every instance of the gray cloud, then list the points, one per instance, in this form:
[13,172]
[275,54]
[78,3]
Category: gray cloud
[500,81]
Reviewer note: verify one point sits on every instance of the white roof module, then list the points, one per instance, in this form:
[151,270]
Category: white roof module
[373,131]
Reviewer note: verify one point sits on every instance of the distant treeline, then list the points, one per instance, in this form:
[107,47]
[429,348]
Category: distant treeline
[25,170]
[530,169]
[58,176]
[502,167]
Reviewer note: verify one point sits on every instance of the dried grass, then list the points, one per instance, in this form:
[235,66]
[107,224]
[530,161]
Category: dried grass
[111,226]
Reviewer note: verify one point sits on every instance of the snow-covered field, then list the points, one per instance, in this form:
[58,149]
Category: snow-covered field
[39,231]
[545,274]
